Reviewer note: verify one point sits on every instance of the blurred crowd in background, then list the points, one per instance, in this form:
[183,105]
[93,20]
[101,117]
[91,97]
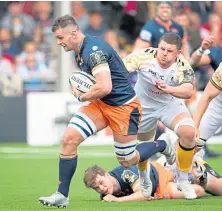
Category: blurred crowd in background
[28,53]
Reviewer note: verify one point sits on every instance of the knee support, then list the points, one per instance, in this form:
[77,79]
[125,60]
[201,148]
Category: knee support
[83,124]
[125,151]
[184,122]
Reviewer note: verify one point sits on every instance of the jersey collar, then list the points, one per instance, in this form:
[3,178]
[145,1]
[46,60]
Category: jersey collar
[156,19]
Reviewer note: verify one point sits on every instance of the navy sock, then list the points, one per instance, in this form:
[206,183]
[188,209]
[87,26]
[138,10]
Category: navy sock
[148,149]
[67,168]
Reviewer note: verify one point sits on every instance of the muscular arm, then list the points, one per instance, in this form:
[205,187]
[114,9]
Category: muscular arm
[185,49]
[199,60]
[210,92]
[103,84]
[185,88]
[183,91]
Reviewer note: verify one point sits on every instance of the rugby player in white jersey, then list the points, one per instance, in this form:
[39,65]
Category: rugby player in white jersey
[208,115]
[164,78]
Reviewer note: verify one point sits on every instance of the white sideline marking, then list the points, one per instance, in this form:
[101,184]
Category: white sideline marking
[42,153]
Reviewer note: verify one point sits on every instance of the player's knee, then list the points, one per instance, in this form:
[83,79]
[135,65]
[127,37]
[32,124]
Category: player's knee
[186,131]
[70,139]
[187,136]
[83,126]
[126,153]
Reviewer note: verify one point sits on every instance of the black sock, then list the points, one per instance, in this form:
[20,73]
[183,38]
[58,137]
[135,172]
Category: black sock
[148,149]
[67,167]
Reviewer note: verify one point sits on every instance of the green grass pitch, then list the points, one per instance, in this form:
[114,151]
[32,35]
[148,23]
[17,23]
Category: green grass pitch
[30,172]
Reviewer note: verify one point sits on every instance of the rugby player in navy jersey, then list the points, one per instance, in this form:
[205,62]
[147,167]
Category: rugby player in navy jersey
[112,102]
[209,124]
[154,29]
[122,184]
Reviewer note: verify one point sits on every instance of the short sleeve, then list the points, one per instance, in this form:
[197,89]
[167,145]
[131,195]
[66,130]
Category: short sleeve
[96,57]
[185,72]
[146,33]
[216,79]
[131,62]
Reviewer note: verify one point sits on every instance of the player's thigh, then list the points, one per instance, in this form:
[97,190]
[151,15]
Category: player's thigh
[85,122]
[173,113]
[148,136]
[214,185]
[148,125]
[210,123]
[123,120]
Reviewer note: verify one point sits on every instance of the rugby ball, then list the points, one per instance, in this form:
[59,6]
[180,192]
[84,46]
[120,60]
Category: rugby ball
[82,81]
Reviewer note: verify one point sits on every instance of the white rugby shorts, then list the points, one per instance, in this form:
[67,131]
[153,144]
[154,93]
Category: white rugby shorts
[165,114]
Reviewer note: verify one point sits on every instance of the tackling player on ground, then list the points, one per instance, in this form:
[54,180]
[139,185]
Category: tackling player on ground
[112,102]
[122,184]
[164,78]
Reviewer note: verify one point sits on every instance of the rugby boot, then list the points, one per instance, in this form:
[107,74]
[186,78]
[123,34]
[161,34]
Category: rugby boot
[56,199]
[145,182]
[169,151]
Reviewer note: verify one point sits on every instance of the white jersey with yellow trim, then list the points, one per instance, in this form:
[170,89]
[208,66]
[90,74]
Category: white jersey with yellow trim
[145,63]
[216,80]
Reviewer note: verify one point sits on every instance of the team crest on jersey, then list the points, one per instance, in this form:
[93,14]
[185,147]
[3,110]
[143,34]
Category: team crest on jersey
[129,177]
[94,48]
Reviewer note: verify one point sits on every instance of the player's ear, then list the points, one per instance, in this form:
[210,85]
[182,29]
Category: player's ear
[179,52]
[73,32]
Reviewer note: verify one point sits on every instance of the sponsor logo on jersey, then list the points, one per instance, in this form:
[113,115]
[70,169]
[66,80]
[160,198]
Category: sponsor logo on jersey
[157,75]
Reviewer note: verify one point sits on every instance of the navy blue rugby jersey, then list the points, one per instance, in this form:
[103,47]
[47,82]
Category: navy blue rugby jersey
[152,31]
[95,51]
[215,55]
[126,177]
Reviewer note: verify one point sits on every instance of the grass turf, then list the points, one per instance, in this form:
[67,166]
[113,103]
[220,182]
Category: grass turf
[29,172]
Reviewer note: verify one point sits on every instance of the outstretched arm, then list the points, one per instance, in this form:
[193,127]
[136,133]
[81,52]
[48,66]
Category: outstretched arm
[136,196]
